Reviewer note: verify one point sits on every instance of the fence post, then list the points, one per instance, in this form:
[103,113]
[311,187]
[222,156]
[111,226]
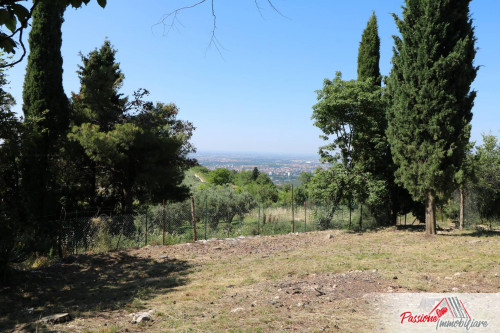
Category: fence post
[194,219]
[206,218]
[258,222]
[305,215]
[146,227]
[163,220]
[293,215]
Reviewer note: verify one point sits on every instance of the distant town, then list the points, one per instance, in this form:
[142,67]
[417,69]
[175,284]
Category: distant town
[281,168]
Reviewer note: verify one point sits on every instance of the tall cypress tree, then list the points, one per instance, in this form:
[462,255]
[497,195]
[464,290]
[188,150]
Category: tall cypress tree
[45,107]
[369,52]
[429,122]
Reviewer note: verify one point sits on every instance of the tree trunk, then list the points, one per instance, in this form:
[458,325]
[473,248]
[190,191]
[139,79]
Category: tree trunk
[462,206]
[430,214]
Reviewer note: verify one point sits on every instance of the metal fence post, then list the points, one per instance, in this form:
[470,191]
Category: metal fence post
[146,227]
[258,222]
[194,219]
[305,215]
[163,221]
[293,215]
[206,218]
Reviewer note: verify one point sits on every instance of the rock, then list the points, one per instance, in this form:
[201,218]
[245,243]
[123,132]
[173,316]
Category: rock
[300,304]
[457,274]
[329,236]
[56,319]
[237,310]
[139,317]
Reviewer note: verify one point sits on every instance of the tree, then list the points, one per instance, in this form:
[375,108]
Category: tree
[224,202]
[99,101]
[487,185]
[132,152]
[220,176]
[255,173]
[463,178]
[12,211]
[369,53]
[429,122]
[304,177]
[15,18]
[352,113]
[45,107]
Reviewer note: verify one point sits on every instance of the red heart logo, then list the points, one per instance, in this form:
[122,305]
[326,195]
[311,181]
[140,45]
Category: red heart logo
[441,312]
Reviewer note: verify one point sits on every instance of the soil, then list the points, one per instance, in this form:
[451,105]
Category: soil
[186,287]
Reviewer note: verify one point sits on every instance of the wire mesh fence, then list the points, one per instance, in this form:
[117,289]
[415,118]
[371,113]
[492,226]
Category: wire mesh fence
[181,222]
[178,222]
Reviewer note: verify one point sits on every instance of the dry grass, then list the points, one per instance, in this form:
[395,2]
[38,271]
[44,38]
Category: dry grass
[305,282]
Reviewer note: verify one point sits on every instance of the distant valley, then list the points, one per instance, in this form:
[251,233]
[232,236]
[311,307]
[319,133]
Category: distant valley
[281,168]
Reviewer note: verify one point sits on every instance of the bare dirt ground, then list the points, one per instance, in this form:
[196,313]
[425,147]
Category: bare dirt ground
[311,282]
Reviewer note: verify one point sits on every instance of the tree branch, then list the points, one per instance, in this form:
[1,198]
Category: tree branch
[19,30]
[169,20]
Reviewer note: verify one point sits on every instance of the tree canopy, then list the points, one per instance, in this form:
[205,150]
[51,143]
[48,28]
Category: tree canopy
[429,122]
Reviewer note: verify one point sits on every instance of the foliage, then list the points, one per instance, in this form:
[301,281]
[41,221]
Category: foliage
[353,113]
[304,177]
[12,211]
[429,122]
[487,187]
[224,202]
[45,107]
[15,17]
[220,176]
[133,152]
[369,53]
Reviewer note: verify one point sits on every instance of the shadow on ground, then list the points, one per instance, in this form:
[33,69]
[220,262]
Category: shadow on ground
[476,233]
[84,284]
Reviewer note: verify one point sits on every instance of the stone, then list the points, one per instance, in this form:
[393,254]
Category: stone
[56,319]
[329,236]
[140,317]
[236,310]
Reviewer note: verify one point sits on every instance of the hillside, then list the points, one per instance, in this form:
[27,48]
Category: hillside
[318,281]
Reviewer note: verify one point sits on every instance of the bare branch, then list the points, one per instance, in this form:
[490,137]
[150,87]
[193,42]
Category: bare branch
[169,21]
[172,16]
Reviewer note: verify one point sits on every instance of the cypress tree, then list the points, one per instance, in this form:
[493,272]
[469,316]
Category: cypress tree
[429,122]
[369,52]
[45,107]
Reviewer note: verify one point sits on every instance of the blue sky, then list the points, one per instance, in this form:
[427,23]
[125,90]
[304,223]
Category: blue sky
[257,94]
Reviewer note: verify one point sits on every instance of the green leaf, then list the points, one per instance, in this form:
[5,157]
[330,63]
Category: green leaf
[7,44]
[4,16]
[21,12]
[11,23]
[76,3]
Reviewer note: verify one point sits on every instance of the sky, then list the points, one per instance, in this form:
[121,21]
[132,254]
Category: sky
[255,91]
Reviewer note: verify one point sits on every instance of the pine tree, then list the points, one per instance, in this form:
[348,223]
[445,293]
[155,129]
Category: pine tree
[45,107]
[99,101]
[369,52]
[429,122]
